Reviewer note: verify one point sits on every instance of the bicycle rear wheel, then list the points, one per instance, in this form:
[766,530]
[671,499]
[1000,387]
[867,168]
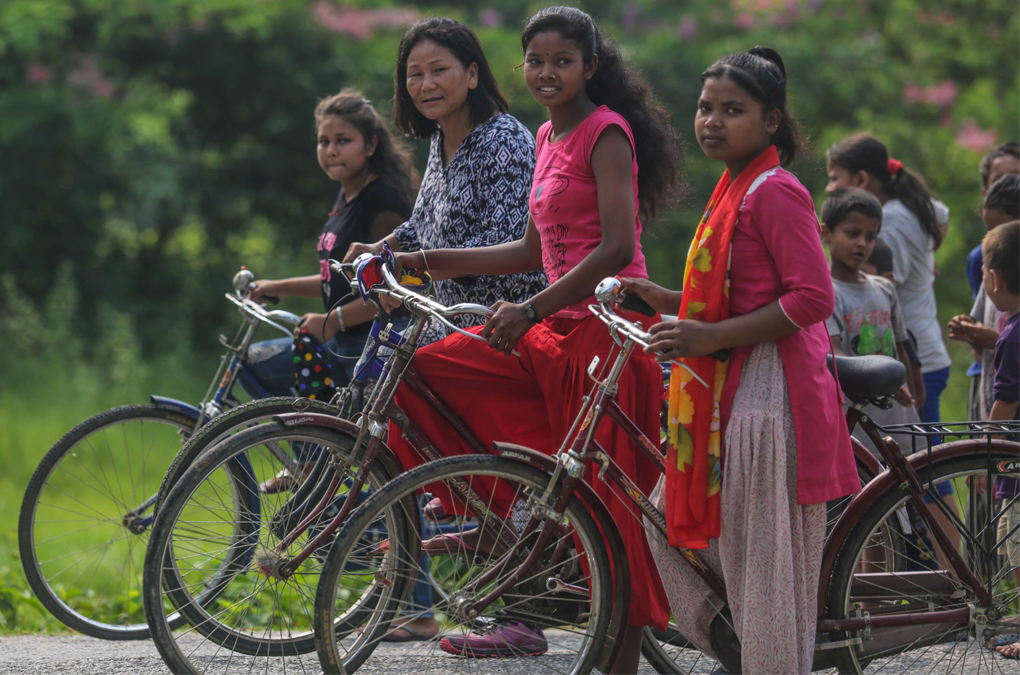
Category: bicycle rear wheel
[552,619]
[868,578]
[84,521]
[216,555]
[231,422]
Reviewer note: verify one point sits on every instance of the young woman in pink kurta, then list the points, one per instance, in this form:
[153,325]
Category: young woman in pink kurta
[606,158]
[785,446]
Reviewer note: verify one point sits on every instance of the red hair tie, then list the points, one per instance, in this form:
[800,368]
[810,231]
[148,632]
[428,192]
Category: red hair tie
[893,166]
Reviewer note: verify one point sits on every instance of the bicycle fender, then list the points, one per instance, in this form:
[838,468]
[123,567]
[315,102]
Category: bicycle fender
[864,456]
[621,566]
[175,405]
[318,420]
[882,483]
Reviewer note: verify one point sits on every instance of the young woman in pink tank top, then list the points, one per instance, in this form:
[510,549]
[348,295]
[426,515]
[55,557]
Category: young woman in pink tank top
[586,205]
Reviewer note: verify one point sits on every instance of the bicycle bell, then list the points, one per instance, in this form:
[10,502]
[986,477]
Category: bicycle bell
[243,279]
[608,290]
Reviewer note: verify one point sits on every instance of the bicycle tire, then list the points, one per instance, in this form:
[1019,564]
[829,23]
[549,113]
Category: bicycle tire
[70,607]
[394,497]
[225,631]
[947,637]
[654,646]
[233,420]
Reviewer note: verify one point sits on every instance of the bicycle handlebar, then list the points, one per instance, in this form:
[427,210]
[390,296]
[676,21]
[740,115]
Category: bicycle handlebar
[255,311]
[417,303]
[609,292]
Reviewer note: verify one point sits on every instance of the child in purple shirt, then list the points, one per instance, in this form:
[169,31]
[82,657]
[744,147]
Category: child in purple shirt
[1002,285]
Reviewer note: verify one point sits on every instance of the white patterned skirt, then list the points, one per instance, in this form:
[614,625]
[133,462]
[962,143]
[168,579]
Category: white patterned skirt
[769,552]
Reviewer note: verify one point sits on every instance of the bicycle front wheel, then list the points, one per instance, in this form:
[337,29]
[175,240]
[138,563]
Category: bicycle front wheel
[552,617]
[218,554]
[85,516]
[872,579]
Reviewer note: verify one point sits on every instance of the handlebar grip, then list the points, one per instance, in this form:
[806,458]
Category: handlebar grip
[636,304]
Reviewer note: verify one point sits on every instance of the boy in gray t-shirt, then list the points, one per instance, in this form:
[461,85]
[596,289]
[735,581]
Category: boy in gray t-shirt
[866,319]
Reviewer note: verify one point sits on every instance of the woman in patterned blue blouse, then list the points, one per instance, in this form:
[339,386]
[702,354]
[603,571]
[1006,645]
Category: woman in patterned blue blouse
[475,189]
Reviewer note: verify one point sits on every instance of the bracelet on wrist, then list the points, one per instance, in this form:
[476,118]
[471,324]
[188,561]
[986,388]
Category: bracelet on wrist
[424,260]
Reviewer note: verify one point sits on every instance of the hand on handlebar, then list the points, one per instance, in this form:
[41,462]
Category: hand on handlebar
[264,291]
[686,338]
[506,327]
[357,249]
[321,326]
[410,260]
[662,300]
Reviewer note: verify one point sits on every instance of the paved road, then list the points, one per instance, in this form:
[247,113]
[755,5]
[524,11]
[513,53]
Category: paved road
[30,654]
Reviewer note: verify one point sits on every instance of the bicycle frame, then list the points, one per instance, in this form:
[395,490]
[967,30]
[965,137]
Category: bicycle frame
[370,429]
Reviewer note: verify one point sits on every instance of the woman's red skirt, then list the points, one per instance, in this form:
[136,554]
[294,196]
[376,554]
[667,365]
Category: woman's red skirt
[532,401]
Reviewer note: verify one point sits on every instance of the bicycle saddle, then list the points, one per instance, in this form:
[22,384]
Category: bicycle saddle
[867,377]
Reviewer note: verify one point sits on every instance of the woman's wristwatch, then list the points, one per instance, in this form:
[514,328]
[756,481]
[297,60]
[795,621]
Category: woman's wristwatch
[530,313]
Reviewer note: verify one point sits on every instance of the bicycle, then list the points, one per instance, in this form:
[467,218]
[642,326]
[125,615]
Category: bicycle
[870,611]
[247,547]
[88,507]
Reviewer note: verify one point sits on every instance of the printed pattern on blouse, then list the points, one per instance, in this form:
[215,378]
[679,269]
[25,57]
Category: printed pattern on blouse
[479,199]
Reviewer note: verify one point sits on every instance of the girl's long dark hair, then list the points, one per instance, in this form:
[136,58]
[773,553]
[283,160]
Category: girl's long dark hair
[660,154]
[866,153]
[761,73]
[391,160]
[484,101]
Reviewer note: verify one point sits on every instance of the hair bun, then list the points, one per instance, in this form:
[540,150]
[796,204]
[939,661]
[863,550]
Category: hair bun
[769,54]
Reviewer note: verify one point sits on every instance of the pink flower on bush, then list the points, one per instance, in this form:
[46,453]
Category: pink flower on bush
[86,75]
[38,74]
[358,23]
[688,28]
[491,17]
[973,137]
[942,94]
[744,21]
[629,18]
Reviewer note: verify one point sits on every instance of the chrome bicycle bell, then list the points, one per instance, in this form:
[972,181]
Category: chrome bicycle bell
[608,290]
[243,278]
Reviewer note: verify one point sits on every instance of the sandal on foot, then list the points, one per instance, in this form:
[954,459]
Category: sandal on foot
[285,480]
[412,635]
[1010,651]
[435,512]
[1002,640]
[446,544]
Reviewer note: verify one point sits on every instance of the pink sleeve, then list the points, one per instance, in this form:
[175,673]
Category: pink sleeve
[784,214]
[605,119]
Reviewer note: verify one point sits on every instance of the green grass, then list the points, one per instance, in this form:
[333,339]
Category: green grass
[32,419]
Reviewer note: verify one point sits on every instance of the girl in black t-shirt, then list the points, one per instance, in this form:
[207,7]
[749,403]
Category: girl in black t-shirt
[355,148]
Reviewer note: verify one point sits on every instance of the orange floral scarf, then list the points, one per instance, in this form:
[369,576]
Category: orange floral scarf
[693,463]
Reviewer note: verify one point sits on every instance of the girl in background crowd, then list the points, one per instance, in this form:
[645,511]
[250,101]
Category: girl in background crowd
[355,148]
[911,227]
[756,282]
[607,157]
[481,160]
